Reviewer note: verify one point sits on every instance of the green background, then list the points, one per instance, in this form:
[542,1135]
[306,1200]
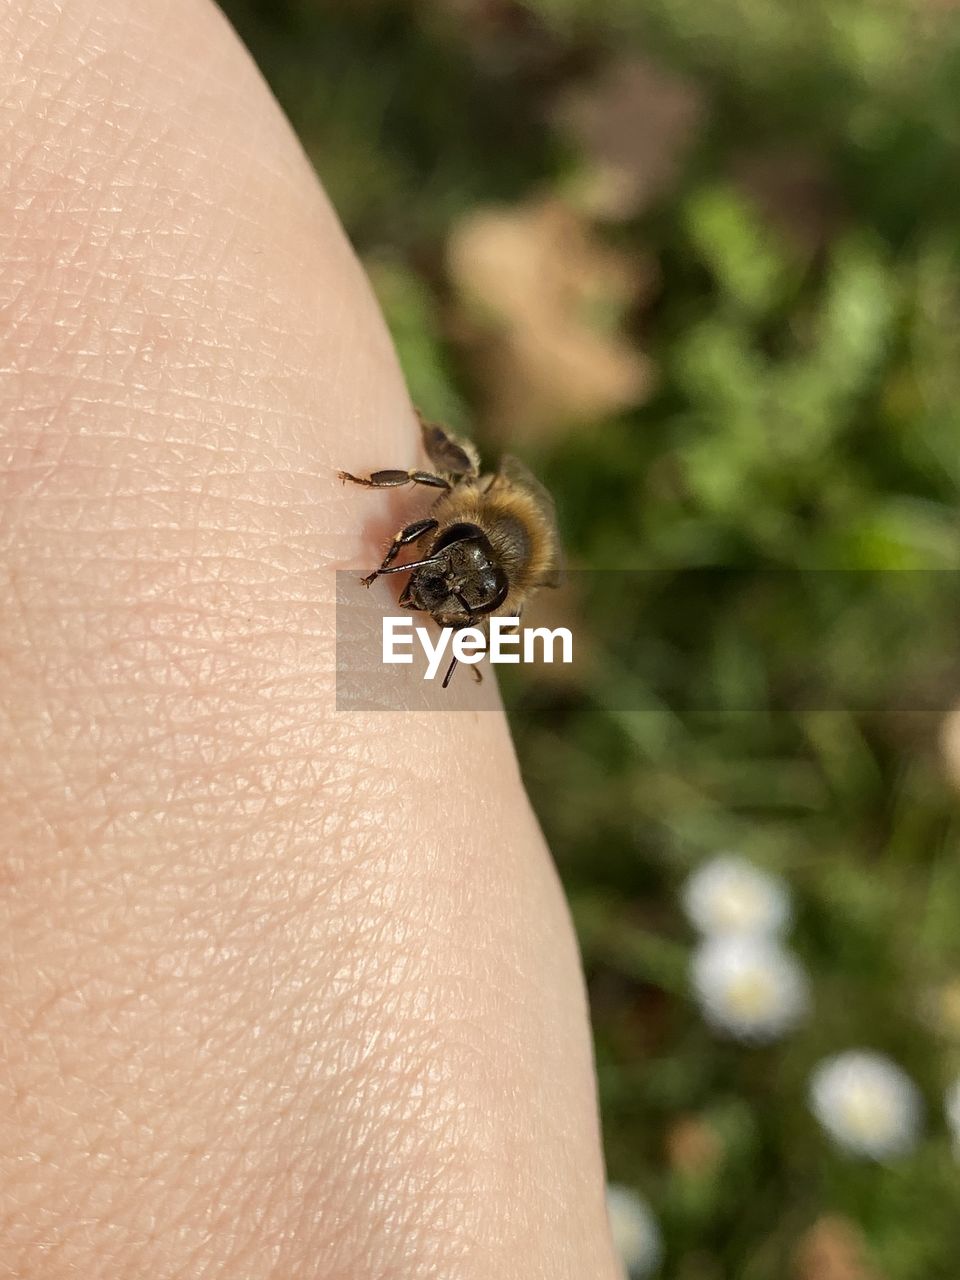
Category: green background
[744,215]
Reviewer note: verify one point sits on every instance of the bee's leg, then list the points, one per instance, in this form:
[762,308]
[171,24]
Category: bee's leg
[484,627]
[477,673]
[393,479]
[410,534]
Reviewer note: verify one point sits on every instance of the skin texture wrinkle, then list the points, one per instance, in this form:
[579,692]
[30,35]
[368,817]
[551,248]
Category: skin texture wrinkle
[284,992]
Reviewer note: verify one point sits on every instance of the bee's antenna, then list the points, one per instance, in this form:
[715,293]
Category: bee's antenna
[450,670]
[414,564]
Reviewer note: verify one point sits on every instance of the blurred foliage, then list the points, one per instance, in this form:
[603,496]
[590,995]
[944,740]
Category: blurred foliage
[755,208]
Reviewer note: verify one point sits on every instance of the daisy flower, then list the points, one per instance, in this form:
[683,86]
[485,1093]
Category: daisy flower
[634,1230]
[867,1104]
[748,987]
[729,895]
[951,1105]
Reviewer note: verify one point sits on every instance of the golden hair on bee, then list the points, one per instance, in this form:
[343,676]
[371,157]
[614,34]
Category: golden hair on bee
[493,538]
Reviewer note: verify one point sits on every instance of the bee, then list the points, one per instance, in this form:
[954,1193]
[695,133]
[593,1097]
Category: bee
[493,538]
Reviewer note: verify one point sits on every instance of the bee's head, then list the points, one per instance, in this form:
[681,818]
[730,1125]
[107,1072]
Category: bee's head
[463,580]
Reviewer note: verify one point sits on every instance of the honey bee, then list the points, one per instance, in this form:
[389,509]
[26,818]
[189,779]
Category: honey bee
[493,537]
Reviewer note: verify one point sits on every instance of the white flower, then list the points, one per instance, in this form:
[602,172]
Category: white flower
[951,1104]
[730,895]
[634,1230]
[867,1104]
[749,987]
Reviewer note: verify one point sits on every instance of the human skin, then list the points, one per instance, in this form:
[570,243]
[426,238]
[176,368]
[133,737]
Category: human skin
[285,991]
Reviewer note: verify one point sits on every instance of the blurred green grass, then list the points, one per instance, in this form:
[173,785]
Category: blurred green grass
[796,309]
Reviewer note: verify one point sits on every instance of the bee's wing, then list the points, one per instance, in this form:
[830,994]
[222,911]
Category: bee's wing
[518,473]
[451,456]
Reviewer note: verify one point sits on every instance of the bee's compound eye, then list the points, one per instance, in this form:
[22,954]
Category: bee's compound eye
[430,589]
[487,590]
